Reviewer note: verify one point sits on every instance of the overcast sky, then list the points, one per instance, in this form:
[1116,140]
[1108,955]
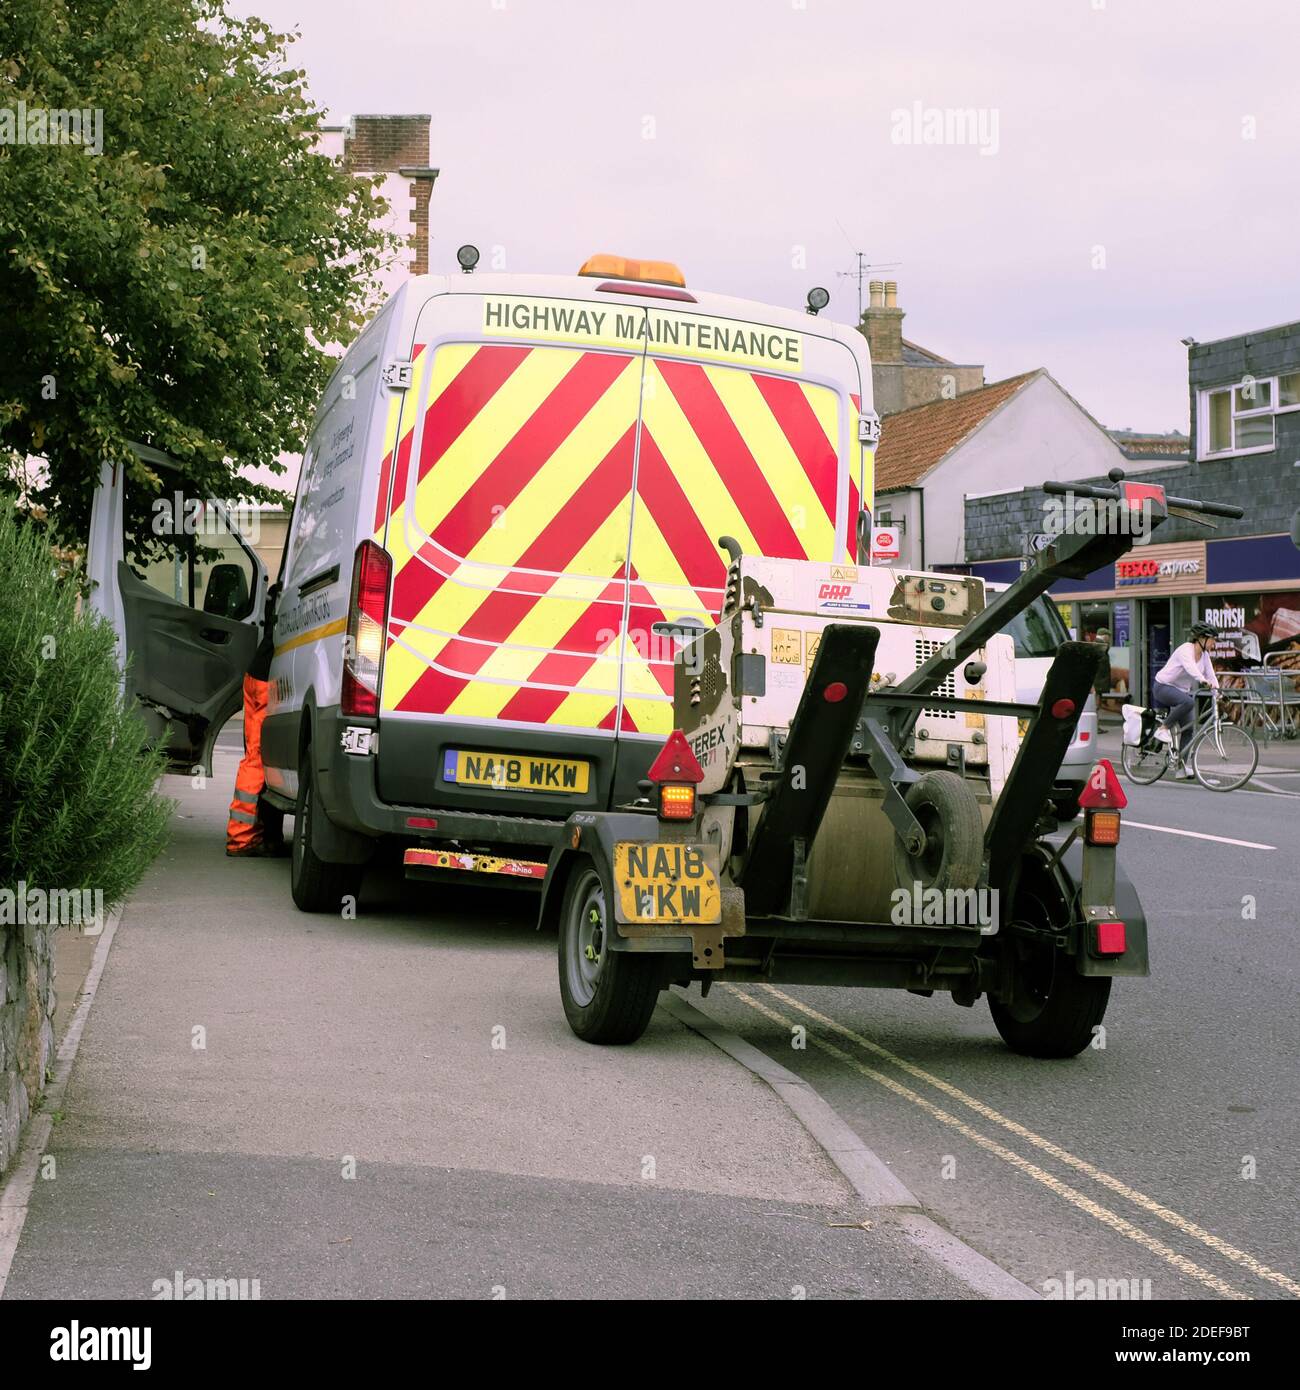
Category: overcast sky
[1133,181]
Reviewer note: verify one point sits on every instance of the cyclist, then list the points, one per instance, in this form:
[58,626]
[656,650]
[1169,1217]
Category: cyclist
[1176,683]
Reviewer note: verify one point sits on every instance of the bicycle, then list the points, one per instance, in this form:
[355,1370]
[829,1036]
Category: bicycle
[1223,756]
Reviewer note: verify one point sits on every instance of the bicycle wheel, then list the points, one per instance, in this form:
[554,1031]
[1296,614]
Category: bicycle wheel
[1145,765]
[1224,758]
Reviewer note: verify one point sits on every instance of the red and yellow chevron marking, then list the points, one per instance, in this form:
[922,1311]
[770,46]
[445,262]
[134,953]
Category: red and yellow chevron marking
[723,452]
[512,513]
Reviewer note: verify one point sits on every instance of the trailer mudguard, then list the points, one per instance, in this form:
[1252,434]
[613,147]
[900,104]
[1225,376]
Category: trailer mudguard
[593,835]
[1065,875]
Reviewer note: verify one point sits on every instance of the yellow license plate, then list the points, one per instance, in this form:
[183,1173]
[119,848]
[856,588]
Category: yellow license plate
[516,772]
[666,883]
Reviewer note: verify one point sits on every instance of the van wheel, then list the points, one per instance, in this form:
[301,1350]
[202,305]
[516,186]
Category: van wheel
[317,886]
[954,835]
[1053,1010]
[1065,804]
[608,995]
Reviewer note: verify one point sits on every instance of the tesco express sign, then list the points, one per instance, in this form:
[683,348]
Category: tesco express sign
[1149,571]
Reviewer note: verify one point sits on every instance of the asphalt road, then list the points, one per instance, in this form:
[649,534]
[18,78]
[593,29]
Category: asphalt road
[1169,1155]
[540,1166]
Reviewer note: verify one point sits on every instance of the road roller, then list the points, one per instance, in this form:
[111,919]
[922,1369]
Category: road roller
[853,796]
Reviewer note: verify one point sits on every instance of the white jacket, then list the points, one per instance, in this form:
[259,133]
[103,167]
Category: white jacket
[1184,672]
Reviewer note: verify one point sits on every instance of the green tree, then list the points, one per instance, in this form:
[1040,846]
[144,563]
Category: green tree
[178,286]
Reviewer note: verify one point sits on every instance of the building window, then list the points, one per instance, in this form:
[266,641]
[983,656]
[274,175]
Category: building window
[1238,419]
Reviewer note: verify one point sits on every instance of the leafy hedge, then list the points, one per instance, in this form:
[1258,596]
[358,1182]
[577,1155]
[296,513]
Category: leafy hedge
[78,804]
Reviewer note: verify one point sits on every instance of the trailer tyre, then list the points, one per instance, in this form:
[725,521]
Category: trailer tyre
[954,835]
[316,885]
[1054,1011]
[608,995]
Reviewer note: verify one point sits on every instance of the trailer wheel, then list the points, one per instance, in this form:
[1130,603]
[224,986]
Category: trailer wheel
[954,835]
[608,995]
[1054,1010]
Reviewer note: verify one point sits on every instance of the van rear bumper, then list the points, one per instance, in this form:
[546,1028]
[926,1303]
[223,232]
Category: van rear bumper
[381,793]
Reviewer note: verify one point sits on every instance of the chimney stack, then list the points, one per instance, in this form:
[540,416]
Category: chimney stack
[882,323]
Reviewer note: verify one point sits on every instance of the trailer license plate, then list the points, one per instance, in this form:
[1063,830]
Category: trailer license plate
[515,772]
[666,883]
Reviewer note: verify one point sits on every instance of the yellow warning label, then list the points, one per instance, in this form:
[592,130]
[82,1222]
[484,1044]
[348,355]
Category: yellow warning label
[814,641]
[667,332]
[787,645]
[974,721]
[848,572]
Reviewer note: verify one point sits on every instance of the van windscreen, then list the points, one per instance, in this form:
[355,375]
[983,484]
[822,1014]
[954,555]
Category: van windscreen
[1039,630]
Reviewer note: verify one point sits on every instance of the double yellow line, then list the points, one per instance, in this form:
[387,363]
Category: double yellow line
[1109,1218]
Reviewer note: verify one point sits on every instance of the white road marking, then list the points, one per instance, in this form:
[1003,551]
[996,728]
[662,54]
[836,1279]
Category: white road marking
[1197,835]
[1274,791]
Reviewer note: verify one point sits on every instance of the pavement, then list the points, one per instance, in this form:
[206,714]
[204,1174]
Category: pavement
[393,1106]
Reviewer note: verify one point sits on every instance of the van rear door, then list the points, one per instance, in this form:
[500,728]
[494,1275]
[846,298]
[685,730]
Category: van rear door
[759,442]
[509,513]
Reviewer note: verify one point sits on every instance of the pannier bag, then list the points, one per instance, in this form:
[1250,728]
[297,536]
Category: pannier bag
[1139,724]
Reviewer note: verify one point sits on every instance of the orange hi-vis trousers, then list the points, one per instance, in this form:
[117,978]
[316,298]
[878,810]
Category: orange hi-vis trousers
[243,829]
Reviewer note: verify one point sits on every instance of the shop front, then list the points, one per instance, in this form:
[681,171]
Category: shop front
[1142,606]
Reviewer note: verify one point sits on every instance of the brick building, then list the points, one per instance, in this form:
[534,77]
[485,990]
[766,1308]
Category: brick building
[903,374]
[398,148]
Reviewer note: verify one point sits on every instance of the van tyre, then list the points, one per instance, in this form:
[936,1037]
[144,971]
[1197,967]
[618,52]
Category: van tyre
[608,995]
[1066,805]
[1054,1011]
[954,835]
[317,886]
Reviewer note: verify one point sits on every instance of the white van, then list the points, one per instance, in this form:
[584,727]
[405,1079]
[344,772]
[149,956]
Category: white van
[1037,632]
[512,495]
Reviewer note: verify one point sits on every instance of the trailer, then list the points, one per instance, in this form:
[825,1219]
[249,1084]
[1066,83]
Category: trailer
[852,795]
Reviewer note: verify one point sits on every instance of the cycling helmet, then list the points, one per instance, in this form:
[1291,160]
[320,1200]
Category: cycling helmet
[1204,630]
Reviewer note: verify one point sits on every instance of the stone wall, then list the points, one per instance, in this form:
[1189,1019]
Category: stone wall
[26,1028]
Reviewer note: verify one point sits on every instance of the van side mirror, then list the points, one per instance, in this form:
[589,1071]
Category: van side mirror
[226,593]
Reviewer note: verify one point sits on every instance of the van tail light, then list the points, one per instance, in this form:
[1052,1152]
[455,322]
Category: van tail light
[363,651]
[1101,827]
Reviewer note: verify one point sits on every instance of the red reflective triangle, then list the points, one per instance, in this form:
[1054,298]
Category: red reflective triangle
[676,762]
[1102,789]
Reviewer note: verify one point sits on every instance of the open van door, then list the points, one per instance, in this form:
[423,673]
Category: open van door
[188,622]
